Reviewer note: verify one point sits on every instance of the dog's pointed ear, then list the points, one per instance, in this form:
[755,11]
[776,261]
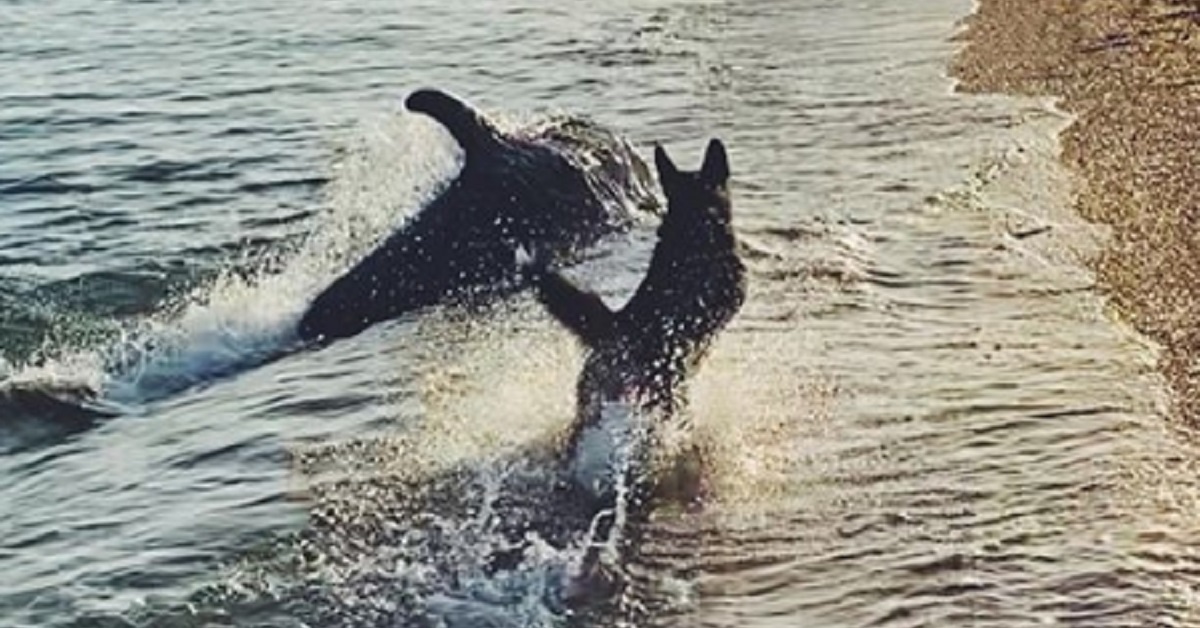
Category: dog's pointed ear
[666,168]
[716,163]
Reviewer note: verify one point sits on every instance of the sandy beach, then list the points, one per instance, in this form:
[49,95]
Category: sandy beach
[1129,71]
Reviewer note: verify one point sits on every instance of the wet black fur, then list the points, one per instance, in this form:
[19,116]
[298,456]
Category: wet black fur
[555,190]
[642,354]
[694,286]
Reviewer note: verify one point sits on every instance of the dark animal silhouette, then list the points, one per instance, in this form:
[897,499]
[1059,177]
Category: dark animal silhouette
[643,354]
[639,358]
[556,189]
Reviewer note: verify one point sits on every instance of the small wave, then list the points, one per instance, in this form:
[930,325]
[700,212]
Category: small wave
[159,171]
[32,416]
[241,318]
[44,185]
[225,327]
[211,339]
[43,408]
[255,187]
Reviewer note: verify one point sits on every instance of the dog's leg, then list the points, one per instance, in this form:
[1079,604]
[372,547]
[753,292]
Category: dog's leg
[581,311]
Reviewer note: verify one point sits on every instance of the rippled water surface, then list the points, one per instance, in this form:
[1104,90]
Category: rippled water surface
[922,417]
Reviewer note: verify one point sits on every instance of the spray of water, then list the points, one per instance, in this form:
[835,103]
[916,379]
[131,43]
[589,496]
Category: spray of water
[245,317]
[407,528]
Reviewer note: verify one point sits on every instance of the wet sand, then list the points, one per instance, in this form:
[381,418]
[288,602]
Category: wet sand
[1129,70]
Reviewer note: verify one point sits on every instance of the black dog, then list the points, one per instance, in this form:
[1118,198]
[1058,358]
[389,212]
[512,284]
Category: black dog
[553,189]
[640,357]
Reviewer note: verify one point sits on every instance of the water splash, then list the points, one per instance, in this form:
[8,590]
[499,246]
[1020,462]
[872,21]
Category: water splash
[461,518]
[247,314]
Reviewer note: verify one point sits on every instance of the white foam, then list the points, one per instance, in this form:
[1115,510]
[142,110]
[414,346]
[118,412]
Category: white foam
[240,319]
[606,449]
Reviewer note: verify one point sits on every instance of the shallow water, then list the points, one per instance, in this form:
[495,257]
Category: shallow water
[923,416]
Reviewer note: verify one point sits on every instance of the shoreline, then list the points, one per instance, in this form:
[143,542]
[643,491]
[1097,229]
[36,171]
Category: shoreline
[1129,74]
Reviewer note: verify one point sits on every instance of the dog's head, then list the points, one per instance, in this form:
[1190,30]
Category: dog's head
[696,198]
